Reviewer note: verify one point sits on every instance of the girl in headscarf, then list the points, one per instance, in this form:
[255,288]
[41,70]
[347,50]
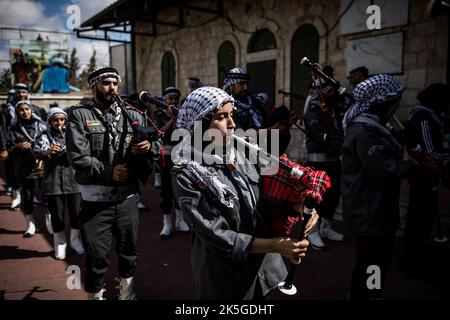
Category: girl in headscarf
[23,137]
[372,168]
[59,185]
[233,253]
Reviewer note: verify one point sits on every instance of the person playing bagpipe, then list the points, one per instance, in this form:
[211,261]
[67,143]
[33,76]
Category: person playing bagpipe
[110,150]
[233,252]
[324,143]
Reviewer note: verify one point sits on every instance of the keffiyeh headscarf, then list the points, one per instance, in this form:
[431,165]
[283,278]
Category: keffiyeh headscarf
[376,89]
[235,75]
[102,73]
[199,103]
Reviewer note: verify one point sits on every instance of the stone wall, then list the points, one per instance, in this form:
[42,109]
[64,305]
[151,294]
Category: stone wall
[195,47]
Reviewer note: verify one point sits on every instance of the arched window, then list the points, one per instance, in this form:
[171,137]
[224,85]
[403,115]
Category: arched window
[226,61]
[261,40]
[167,70]
[305,43]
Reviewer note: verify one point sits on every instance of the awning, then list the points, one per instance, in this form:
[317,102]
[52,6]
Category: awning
[121,16]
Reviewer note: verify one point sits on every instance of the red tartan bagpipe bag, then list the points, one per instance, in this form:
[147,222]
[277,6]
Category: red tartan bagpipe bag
[282,191]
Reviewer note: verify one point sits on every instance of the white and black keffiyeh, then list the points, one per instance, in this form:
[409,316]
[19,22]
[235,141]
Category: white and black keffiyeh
[235,75]
[102,73]
[376,89]
[199,103]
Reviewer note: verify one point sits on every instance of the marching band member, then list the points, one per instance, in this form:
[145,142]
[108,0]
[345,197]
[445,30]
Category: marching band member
[59,185]
[165,122]
[324,143]
[27,127]
[233,253]
[98,136]
[372,168]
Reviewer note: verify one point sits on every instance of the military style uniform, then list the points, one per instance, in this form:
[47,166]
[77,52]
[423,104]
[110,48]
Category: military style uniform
[97,140]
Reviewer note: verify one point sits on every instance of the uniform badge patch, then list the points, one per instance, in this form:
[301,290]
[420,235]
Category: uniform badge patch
[92,123]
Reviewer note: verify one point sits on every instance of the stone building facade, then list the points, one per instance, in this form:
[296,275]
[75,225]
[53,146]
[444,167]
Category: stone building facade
[195,47]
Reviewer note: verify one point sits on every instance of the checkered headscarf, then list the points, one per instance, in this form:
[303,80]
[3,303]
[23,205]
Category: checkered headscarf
[376,89]
[102,73]
[235,75]
[199,103]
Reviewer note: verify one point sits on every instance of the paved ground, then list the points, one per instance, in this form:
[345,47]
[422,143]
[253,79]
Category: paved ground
[29,271]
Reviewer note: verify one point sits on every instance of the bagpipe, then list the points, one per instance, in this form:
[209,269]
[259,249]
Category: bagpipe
[315,69]
[140,133]
[146,97]
[160,152]
[291,184]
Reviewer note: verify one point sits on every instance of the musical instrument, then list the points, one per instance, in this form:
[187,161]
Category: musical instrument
[63,135]
[38,169]
[287,286]
[146,97]
[330,81]
[139,133]
[295,172]
[336,85]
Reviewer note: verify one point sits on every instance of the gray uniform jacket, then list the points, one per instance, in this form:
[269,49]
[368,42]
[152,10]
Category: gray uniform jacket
[95,144]
[221,239]
[59,175]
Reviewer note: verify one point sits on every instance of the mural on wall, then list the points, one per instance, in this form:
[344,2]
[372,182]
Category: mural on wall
[40,64]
